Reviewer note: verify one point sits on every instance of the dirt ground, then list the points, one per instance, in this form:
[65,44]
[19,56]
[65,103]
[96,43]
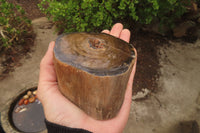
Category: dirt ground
[148,63]
[30,7]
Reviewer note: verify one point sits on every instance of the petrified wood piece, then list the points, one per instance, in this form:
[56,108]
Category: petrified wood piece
[93,71]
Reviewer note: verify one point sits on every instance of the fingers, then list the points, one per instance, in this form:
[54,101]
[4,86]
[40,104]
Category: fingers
[47,59]
[47,72]
[116,30]
[47,75]
[125,35]
[106,31]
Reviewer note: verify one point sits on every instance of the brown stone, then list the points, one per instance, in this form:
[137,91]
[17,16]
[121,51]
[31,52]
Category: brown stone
[93,71]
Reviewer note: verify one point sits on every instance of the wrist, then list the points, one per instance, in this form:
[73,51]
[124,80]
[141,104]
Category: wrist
[52,128]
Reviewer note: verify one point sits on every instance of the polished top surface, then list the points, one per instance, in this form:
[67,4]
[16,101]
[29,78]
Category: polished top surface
[99,54]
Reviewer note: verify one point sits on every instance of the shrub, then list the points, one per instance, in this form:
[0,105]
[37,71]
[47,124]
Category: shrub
[90,15]
[13,25]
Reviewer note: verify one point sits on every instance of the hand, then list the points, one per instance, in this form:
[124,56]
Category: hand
[61,111]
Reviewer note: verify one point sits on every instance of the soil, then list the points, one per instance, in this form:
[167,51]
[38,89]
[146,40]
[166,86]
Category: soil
[148,66]
[10,58]
[30,7]
[145,42]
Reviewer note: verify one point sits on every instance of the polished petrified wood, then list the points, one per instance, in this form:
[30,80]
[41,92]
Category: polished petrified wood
[93,71]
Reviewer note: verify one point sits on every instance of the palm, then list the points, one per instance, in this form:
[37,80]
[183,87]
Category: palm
[61,111]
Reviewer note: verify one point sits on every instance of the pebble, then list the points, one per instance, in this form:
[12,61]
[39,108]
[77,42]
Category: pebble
[26,101]
[17,109]
[25,96]
[31,100]
[23,109]
[29,93]
[35,92]
[30,97]
[21,101]
[142,94]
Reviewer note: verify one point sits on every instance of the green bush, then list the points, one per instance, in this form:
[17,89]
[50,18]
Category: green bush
[13,24]
[90,15]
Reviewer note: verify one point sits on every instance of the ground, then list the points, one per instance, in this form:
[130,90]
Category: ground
[167,71]
[148,62]
[176,103]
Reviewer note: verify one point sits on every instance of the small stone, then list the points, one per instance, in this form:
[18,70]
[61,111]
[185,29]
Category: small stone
[21,101]
[25,96]
[17,109]
[29,93]
[26,101]
[35,92]
[23,109]
[142,94]
[20,109]
[31,100]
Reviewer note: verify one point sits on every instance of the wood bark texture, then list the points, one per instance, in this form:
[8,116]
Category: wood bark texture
[93,71]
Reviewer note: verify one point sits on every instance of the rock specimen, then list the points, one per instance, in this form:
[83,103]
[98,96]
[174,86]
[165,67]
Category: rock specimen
[93,71]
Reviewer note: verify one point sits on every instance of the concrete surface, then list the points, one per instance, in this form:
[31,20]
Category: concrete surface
[177,101]
[176,104]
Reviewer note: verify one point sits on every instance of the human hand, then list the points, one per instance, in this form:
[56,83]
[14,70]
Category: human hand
[60,110]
